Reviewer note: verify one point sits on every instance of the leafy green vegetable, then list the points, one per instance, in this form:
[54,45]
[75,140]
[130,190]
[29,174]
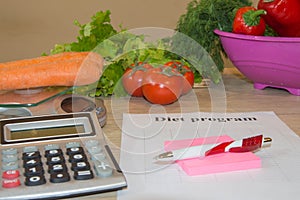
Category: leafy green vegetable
[109,80]
[120,49]
[93,36]
[202,18]
[90,34]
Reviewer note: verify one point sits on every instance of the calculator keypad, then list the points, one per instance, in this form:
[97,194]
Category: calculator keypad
[53,164]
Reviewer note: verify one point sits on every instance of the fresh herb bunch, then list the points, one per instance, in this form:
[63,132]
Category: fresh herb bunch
[203,17]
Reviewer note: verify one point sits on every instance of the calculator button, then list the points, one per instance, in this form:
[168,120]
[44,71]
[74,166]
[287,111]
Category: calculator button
[10,166]
[55,159]
[75,150]
[94,149]
[59,177]
[53,152]
[10,174]
[77,158]
[11,183]
[32,162]
[57,168]
[31,155]
[9,151]
[35,180]
[98,157]
[32,171]
[80,166]
[51,147]
[91,143]
[72,145]
[30,149]
[103,169]
[9,157]
[83,175]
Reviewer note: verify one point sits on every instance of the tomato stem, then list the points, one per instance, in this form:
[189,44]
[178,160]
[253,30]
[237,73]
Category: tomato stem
[169,71]
[137,67]
[180,67]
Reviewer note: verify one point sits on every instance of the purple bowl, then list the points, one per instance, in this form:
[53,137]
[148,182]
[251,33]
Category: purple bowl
[267,61]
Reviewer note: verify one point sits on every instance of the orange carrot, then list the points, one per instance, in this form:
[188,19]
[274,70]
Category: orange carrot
[65,69]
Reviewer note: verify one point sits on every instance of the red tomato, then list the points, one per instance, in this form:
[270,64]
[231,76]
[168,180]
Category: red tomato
[162,85]
[133,77]
[187,74]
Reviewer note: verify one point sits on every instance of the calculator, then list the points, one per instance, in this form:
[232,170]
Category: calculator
[56,156]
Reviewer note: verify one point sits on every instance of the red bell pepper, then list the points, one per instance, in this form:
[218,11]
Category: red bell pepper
[248,21]
[283,16]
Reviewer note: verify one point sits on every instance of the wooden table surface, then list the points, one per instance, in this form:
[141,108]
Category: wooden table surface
[238,96]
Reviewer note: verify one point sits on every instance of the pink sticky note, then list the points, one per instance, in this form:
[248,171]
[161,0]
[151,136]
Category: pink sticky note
[217,163]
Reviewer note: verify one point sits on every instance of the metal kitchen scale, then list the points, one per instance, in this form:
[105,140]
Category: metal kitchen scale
[52,145]
[48,100]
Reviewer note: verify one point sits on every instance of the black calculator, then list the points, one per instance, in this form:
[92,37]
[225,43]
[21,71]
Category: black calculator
[56,156]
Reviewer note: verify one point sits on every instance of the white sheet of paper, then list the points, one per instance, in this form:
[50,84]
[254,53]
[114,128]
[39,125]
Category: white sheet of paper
[143,137]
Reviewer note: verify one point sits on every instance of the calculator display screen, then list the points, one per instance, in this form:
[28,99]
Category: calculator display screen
[46,132]
[46,128]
